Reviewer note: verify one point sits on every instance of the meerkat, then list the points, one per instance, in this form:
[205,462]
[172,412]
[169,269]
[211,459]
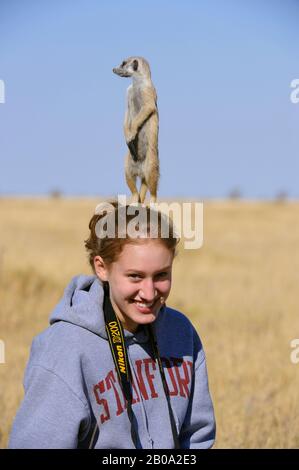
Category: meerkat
[141,128]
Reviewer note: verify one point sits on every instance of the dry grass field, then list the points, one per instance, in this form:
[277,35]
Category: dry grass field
[241,291]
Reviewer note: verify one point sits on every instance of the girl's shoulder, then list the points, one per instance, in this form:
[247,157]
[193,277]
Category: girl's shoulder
[176,319]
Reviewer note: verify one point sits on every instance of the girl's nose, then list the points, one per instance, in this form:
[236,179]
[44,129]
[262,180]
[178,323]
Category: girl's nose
[148,292]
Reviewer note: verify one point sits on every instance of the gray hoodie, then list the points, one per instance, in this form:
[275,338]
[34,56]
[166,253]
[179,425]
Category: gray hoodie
[73,398]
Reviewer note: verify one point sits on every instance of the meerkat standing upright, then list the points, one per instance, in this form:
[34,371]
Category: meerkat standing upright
[141,128]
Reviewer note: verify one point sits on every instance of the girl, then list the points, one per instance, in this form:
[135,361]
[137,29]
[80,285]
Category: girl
[117,368]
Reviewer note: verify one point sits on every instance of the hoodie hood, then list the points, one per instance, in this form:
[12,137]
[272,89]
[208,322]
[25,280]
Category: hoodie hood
[82,305]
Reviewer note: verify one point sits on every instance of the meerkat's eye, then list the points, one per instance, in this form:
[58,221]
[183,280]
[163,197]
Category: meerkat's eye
[135,65]
[123,64]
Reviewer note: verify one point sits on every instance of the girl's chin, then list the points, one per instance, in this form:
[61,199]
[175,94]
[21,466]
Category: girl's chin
[136,319]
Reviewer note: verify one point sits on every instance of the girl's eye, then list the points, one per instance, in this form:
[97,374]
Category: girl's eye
[137,276]
[162,274]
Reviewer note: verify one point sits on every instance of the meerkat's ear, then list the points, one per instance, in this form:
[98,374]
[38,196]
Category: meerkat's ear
[135,65]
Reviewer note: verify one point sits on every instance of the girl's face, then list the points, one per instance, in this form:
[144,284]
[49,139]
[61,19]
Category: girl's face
[140,281]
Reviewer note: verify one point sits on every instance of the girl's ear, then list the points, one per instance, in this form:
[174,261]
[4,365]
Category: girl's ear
[100,268]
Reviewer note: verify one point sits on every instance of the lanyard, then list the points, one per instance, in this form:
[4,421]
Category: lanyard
[165,386]
[119,353]
[120,357]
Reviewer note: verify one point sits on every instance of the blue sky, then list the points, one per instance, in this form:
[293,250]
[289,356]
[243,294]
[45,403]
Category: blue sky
[222,70]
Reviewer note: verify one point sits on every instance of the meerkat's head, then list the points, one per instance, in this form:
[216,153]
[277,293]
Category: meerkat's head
[133,67]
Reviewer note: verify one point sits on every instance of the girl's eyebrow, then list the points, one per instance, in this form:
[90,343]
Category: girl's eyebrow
[141,272]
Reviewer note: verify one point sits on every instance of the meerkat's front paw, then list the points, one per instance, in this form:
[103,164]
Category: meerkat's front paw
[131,134]
[133,147]
[130,137]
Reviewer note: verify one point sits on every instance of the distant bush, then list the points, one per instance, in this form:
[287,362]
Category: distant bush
[235,193]
[281,196]
[55,194]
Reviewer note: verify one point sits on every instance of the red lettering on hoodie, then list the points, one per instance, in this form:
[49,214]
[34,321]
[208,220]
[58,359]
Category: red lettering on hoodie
[100,388]
[177,371]
[190,364]
[183,382]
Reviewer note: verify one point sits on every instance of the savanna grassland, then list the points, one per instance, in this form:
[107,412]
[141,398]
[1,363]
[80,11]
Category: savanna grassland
[240,290]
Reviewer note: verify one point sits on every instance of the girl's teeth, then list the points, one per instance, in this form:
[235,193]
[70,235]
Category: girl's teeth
[144,305]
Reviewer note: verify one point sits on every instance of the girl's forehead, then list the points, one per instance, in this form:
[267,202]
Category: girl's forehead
[150,253]
[147,247]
